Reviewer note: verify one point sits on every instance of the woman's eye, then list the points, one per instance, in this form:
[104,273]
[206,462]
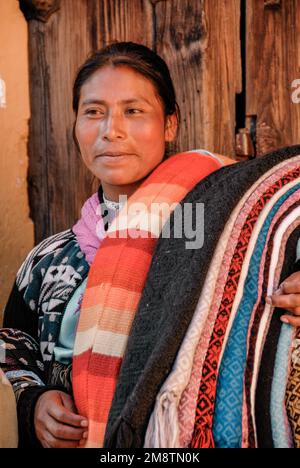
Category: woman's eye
[99,112]
[133,111]
[93,112]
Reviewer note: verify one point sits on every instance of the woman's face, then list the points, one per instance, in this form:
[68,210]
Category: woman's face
[121,128]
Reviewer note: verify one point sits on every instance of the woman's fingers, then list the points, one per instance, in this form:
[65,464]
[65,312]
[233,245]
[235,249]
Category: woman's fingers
[82,442]
[53,442]
[64,432]
[64,415]
[57,425]
[291,285]
[285,301]
[68,402]
[291,320]
[287,297]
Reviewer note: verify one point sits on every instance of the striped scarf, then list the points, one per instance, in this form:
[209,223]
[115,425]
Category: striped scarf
[116,280]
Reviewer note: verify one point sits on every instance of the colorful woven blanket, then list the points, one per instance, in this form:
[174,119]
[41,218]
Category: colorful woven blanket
[208,360]
[293,387]
[116,280]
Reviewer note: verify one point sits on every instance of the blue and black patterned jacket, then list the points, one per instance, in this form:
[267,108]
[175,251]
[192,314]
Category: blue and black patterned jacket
[44,285]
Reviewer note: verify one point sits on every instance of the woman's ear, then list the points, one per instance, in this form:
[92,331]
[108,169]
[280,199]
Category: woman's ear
[171,127]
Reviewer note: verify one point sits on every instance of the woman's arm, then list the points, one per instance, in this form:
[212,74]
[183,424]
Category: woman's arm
[18,315]
[21,361]
[47,416]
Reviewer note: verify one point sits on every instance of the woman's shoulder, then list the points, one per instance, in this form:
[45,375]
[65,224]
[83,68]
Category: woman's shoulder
[49,246]
[54,242]
[60,251]
[44,284]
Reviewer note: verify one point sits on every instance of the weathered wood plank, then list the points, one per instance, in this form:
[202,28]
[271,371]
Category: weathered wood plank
[123,20]
[273,45]
[58,180]
[200,42]
[222,75]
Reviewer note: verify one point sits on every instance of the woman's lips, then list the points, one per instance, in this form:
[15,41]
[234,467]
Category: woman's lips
[114,157]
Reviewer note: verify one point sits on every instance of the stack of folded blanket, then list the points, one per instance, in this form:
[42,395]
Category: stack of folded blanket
[208,363]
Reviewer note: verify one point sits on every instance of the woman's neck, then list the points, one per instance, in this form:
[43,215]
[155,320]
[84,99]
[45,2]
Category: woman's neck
[113,192]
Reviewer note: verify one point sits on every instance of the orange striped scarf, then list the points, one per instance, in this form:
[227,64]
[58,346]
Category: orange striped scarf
[116,281]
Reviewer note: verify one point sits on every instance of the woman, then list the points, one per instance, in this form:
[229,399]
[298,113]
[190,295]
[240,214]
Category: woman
[126,114]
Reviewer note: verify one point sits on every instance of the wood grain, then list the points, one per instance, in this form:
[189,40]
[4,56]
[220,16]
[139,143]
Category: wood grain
[273,45]
[200,41]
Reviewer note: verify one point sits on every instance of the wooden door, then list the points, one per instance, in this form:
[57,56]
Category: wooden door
[219,53]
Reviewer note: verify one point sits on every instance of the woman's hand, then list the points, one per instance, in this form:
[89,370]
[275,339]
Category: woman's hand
[56,422]
[288,297]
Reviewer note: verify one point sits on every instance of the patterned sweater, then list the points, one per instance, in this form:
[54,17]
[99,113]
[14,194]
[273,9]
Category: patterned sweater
[44,285]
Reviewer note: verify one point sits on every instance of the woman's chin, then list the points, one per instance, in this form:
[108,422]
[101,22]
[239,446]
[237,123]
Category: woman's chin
[117,181]
[116,176]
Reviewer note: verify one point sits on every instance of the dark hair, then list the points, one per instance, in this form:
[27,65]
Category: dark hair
[141,59]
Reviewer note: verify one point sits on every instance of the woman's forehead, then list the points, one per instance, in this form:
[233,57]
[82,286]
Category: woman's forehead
[121,83]
[134,100]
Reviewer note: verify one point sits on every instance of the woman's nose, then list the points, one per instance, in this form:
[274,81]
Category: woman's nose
[113,127]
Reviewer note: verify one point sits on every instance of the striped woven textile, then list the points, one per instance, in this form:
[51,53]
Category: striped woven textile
[225,415]
[293,391]
[208,360]
[179,393]
[224,331]
[293,387]
[116,280]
